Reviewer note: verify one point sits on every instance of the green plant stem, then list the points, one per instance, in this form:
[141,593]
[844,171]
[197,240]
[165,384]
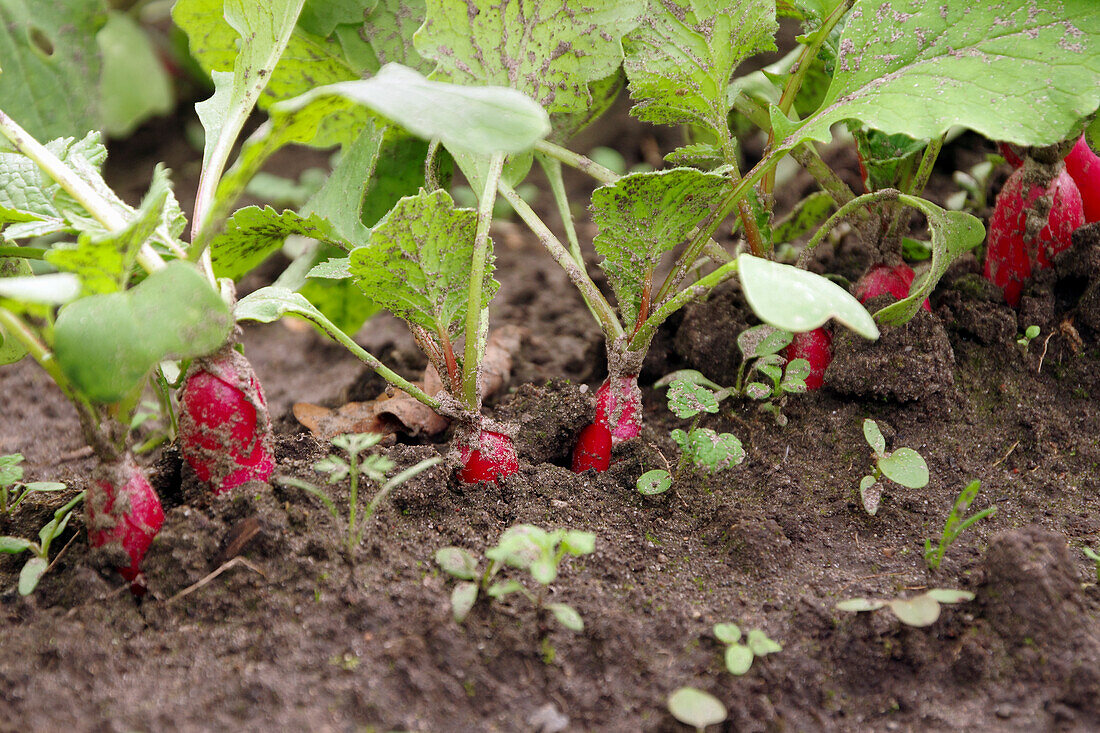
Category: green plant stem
[807,156]
[552,168]
[26,253]
[886,194]
[389,486]
[606,176]
[471,362]
[685,263]
[752,110]
[599,306]
[353,500]
[100,208]
[705,284]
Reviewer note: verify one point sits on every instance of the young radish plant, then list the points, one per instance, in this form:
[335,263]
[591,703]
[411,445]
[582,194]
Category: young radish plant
[902,466]
[39,562]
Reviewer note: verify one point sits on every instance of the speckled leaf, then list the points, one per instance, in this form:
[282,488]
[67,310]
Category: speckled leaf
[763,340]
[254,233]
[654,482]
[681,57]
[389,29]
[919,68]
[687,399]
[713,451]
[643,216]
[549,49]
[417,265]
[906,467]
[874,437]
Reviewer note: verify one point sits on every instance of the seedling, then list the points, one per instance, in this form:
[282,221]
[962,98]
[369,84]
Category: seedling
[902,466]
[12,490]
[739,654]
[696,708]
[39,562]
[700,447]
[525,547]
[956,524]
[1095,557]
[1029,335]
[372,467]
[922,610]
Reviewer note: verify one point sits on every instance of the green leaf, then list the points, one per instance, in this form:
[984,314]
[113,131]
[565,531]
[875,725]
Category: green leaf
[44,486]
[10,470]
[950,595]
[30,575]
[52,289]
[727,633]
[51,65]
[134,85]
[873,435]
[253,234]
[807,214]
[643,216]
[340,198]
[481,120]
[321,17]
[503,588]
[549,49]
[341,301]
[688,375]
[738,659]
[870,494]
[761,644]
[567,616]
[858,605]
[713,451]
[954,233]
[794,376]
[763,340]
[14,545]
[680,59]
[654,482]
[104,262]
[457,561]
[886,159]
[578,543]
[796,300]
[389,29]
[417,265]
[687,399]
[906,467]
[106,344]
[463,598]
[696,708]
[918,68]
[923,610]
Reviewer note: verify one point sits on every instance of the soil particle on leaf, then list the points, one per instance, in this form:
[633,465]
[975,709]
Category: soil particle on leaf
[907,363]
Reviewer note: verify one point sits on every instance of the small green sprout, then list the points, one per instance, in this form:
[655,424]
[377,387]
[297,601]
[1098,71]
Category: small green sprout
[922,610]
[696,708]
[525,547]
[373,467]
[1029,335]
[39,561]
[739,655]
[956,524]
[701,447]
[12,489]
[760,347]
[1095,557]
[903,466]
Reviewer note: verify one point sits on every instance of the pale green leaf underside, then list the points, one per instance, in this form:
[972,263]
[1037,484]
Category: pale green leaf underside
[680,59]
[643,216]
[796,300]
[548,49]
[694,707]
[1014,70]
[417,264]
[482,120]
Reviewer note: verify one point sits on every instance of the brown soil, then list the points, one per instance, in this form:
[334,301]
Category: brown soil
[302,637]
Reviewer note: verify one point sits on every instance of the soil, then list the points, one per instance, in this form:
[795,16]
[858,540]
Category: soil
[295,634]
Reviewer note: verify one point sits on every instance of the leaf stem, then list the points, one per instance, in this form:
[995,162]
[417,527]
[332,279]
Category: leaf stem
[26,253]
[597,304]
[583,163]
[705,284]
[807,156]
[886,194]
[471,361]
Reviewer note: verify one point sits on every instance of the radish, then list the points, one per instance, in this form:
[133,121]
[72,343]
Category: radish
[593,449]
[491,459]
[1026,232]
[816,347]
[1083,166]
[225,429]
[123,509]
[619,407]
[882,278]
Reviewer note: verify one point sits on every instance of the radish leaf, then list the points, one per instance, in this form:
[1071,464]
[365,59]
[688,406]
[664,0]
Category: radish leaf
[252,234]
[906,467]
[643,216]
[680,59]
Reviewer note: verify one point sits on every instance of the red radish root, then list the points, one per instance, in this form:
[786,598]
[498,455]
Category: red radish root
[493,457]
[619,407]
[815,347]
[593,449]
[1083,166]
[225,429]
[1027,230]
[123,509]
[882,278]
